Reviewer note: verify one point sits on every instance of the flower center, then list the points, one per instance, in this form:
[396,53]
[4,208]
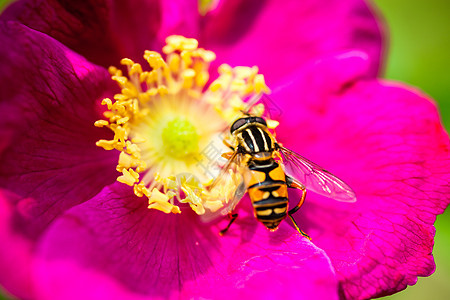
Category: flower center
[170,126]
[180,138]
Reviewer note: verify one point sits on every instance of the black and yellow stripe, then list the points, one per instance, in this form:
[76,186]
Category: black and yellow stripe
[268,192]
[267,185]
[255,139]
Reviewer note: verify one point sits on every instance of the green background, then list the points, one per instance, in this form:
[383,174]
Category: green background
[418,54]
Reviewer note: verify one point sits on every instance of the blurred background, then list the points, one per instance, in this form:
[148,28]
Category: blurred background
[418,54]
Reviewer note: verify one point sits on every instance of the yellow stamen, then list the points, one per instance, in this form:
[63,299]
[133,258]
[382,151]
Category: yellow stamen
[160,201]
[204,6]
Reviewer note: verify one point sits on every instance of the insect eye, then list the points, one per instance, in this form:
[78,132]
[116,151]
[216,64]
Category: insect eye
[260,120]
[238,124]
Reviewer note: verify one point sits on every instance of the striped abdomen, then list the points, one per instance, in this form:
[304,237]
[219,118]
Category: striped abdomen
[267,189]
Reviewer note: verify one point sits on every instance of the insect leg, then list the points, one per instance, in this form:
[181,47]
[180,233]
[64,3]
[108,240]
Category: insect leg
[292,183]
[232,218]
[228,144]
[228,155]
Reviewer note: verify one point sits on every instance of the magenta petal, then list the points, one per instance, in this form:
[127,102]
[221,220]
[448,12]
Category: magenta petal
[121,246]
[105,31]
[277,267]
[49,102]
[386,140]
[280,37]
[15,253]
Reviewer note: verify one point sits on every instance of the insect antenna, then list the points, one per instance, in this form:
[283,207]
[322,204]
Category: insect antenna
[250,103]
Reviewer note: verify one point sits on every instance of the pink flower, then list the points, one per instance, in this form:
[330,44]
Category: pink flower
[69,231]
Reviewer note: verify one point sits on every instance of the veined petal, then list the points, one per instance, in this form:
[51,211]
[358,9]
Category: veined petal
[49,100]
[105,31]
[387,142]
[280,37]
[117,241]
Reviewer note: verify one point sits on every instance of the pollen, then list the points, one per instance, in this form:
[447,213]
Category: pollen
[170,122]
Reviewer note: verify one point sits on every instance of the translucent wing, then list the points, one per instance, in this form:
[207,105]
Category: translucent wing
[228,188]
[316,178]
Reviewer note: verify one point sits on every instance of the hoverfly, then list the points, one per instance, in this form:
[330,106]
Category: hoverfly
[266,171]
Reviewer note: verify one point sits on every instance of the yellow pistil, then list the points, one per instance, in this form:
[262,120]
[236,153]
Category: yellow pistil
[180,138]
[169,126]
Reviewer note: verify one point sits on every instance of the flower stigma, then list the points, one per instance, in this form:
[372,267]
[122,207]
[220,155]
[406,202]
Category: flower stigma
[171,126]
[180,138]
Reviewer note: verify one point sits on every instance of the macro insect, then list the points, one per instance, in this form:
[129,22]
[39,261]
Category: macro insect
[266,170]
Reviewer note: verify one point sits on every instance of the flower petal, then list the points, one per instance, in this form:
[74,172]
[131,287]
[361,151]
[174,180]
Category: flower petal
[385,140]
[49,102]
[280,37]
[115,239]
[15,253]
[105,31]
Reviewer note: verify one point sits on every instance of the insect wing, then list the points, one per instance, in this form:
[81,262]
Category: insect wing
[316,178]
[229,188]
